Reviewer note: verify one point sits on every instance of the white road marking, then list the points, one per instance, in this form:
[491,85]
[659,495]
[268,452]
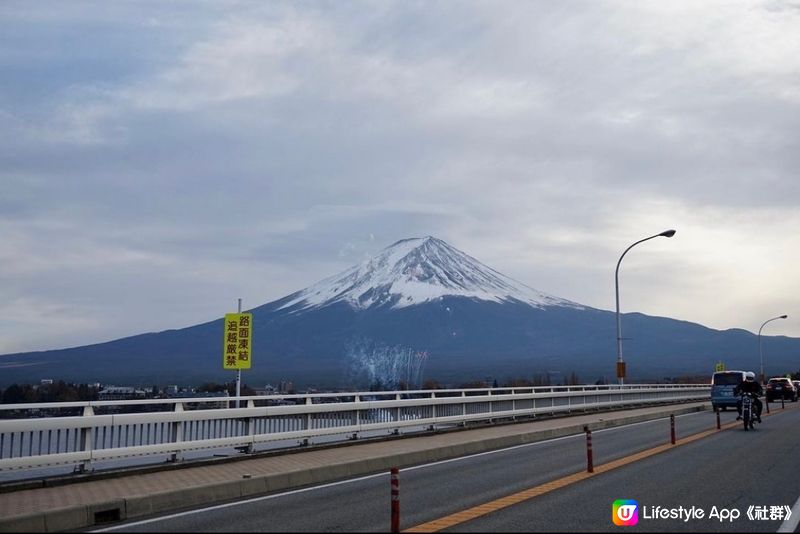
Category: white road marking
[237,503]
[789,525]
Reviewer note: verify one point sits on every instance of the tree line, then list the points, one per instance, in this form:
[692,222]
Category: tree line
[56,392]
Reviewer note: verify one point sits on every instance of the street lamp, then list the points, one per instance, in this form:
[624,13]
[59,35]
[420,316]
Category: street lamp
[761,352]
[620,363]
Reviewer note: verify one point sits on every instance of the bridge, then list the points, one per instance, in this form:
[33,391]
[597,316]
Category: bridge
[429,415]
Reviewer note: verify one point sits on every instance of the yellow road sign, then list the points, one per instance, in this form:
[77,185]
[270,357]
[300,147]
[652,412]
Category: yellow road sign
[237,341]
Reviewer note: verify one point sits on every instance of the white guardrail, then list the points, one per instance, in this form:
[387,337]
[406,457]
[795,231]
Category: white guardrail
[79,433]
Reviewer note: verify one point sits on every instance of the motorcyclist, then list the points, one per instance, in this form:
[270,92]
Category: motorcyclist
[749,387]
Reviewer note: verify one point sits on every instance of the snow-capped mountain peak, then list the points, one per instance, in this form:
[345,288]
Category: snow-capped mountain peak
[414,271]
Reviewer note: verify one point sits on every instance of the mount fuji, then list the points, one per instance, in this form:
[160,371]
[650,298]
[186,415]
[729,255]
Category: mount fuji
[418,271]
[419,309]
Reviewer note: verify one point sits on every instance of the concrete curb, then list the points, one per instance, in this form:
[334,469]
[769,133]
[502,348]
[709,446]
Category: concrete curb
[76,517]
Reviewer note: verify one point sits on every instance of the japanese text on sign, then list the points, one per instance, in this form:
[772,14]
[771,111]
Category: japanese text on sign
[237,341]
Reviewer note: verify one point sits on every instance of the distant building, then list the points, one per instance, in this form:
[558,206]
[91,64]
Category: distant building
[285,387]
[192,394]
[267,390]
[46,382]
[120,393]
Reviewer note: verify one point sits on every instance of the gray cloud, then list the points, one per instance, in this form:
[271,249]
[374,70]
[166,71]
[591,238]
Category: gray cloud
[157,163]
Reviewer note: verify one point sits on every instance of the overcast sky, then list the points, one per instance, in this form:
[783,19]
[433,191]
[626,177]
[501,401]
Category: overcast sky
[159,160]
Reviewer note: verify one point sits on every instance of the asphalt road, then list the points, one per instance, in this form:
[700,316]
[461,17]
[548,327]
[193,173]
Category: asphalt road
[731,469]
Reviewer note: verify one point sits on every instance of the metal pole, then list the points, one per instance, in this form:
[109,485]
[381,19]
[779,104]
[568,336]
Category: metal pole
[760,351]
[719,426]
[395,480]
[589,456]
[666,233]
[239,371]
[672,428]
[761,354]
[619,326]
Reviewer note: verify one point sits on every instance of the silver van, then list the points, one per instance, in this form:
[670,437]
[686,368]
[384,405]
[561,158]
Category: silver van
[722,384]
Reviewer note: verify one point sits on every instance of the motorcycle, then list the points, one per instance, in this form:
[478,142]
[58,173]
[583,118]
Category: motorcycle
[748,417]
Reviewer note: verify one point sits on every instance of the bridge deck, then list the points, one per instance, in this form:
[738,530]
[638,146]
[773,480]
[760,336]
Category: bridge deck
[79,505]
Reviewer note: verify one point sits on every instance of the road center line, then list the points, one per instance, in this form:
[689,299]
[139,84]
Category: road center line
[510,500]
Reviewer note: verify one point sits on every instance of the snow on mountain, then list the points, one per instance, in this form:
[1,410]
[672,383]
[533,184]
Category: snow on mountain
[414,271]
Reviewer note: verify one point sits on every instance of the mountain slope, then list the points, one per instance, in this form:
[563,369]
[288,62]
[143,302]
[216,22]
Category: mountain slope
[415,271]
[419,309]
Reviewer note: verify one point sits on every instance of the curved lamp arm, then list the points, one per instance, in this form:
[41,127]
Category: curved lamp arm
[760,351]
[665,233]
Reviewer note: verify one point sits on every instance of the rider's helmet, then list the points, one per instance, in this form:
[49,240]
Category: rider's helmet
[750,376]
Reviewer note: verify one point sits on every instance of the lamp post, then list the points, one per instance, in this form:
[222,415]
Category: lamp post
[761,352]
[620,363]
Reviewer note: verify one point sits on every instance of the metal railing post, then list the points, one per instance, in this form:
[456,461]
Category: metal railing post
[308,416]
[464,408]
[513,404]
[491,407]
[176,435]
[250,429]
[397,413]
[433,406]
[356,402]
[86,442]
